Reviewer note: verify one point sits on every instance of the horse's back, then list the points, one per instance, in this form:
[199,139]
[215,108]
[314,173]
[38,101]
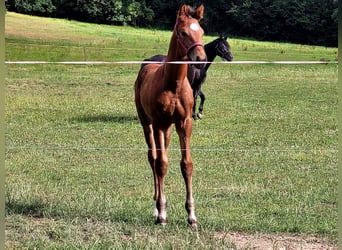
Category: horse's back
[155,58]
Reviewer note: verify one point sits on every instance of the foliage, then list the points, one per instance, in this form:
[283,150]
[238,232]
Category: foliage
[300,21]
[39,7]
[310,21]
[98,11]
[139,14]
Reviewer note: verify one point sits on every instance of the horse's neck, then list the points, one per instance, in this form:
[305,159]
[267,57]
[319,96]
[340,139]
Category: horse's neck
[175,73]
[211,54]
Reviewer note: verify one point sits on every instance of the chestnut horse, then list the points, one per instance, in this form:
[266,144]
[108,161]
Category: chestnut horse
[163,98]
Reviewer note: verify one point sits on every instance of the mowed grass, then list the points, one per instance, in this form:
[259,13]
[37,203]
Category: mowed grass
[77,175]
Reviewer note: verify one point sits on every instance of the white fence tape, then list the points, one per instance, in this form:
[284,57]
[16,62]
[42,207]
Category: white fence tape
[173,62]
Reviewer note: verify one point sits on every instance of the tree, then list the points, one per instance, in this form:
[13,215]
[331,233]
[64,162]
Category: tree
[300,21]
[139,14]
[134,11]
[115,14]
[39,7]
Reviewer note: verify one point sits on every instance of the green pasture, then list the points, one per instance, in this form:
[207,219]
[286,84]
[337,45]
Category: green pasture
[30,38]
[77,175]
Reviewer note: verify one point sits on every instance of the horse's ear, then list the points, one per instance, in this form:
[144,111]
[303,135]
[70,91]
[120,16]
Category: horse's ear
[182,10]
[199,12]
[223,36]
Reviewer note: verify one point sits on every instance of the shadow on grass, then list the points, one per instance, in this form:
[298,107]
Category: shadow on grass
[34,209]
[133,216]
[40,209]
[106,118]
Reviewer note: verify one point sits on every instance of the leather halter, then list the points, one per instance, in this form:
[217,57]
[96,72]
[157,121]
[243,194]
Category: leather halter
[186,48]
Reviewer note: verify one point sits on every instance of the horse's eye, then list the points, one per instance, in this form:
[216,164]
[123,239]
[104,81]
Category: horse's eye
[183,34]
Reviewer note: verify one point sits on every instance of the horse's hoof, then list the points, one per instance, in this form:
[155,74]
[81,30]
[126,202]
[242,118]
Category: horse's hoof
[193,225]
[161,222]
[199,115]
[194,117]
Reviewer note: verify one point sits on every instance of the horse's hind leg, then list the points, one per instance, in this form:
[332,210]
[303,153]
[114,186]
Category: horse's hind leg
[152,156]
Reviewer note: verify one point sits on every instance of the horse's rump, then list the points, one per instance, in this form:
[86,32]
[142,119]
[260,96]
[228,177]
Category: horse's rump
[143,72]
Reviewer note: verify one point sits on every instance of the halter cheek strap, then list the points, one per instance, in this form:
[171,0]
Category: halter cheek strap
[186,48]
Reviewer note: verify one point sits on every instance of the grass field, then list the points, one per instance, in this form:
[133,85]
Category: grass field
[77,176]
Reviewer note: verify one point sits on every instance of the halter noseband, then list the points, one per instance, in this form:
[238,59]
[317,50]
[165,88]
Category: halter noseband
[186,48]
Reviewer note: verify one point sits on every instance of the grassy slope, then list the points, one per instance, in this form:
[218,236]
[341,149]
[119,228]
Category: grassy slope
[61,40]
[265,152]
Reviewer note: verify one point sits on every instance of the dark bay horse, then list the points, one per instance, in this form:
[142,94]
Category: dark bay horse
[163,98]
[218,47]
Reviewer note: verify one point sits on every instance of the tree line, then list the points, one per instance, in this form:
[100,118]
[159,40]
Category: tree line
[299,21]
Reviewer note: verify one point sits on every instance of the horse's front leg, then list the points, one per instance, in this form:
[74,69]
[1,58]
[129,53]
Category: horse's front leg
[195,94]
[184,132]
[200,109]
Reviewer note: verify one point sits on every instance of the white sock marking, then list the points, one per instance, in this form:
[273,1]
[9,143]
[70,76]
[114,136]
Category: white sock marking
[155,210]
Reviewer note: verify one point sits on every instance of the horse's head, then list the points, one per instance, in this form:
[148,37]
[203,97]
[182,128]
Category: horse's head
[223,49]
[189,34]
